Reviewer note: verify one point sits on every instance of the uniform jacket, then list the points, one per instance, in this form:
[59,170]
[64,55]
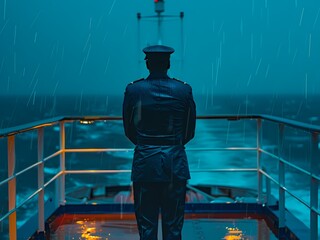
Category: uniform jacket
[159,116]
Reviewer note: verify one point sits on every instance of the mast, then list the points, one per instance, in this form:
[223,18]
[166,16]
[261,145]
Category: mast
[159,8]
[160,17]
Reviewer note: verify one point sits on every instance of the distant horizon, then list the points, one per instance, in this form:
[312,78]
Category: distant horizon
[194,94]
[24,108]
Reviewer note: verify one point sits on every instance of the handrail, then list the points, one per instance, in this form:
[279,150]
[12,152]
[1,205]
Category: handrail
[290,164]
[52,121]
[292,123]
[29,126]
[290,193]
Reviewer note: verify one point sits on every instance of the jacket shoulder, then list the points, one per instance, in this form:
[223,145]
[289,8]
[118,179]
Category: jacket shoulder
[136,81]
[130,86]
[182,82]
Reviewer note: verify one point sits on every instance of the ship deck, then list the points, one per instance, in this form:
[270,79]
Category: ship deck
[230,221]
[77,182]
[202,221]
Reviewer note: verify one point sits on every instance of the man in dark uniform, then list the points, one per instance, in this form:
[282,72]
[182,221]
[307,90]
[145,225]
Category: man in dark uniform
[159,118]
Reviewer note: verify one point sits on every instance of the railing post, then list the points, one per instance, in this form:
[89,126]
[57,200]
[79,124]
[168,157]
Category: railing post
[40,183]
[260,200]
[12,187]
[62,164]
[314,190]
[281,179]
[268,191]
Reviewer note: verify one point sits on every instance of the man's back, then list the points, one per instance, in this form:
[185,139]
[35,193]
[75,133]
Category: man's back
[161,108]
[161,119]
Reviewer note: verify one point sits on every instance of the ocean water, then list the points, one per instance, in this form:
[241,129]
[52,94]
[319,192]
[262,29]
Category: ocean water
[20,109]
[218,133]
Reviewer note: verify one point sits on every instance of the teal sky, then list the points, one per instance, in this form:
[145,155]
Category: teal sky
[57,47]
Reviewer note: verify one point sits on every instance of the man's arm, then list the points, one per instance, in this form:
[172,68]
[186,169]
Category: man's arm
[191,117]
[127,114]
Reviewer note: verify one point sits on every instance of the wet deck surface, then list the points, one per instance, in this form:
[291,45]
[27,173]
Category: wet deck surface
[123,227]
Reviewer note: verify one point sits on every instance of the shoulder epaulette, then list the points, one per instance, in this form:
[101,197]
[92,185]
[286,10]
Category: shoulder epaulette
[180,81]
[137,80]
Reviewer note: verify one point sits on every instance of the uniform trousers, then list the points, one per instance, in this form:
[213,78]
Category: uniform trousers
[153,198]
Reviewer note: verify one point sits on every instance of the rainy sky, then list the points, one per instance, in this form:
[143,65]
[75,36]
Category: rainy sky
[57,47]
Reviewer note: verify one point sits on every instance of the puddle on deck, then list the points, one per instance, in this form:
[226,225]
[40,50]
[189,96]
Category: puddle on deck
[110,227]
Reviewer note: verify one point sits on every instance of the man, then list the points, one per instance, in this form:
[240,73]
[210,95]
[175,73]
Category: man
[159,118]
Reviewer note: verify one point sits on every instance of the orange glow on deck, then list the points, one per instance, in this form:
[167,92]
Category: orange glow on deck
[89,233]
[234,234]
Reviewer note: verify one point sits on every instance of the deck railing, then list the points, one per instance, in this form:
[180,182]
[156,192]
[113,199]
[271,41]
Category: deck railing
[263,176]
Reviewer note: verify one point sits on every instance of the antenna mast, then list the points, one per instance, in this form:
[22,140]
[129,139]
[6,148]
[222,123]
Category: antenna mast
[159,9]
